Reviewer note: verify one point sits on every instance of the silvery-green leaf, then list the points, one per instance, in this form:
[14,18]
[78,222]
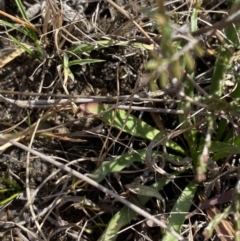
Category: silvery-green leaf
[145,191]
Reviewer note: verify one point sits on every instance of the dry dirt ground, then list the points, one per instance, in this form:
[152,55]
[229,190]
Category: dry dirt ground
[73,136]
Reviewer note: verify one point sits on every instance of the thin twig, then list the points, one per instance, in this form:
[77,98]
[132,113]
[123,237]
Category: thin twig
[18,20]
[45,104]
[125,13]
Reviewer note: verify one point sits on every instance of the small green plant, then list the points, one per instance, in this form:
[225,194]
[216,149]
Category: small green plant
[176,62]
[132,125]
[12,190]
[27,29]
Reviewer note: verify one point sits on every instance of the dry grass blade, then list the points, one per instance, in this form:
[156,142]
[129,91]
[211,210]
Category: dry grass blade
[121,10]
[18,20]
[53,15]
[7,59]
[24,133]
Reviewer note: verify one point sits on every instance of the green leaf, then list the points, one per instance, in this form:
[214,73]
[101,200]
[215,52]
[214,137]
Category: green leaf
[128,123]
[146,191]
[125,215]
[117,164]
[25,47]
[67,71]
[83,48]
[231,31]
[9,199]
[142,46]
[10,183]
[121,120]
[179,210]
[220,69]
[31,34]
[12,26]
[84,61]
[194,18]
[222,149]
[6,190]
[221,129]
[22,10]
[14,187]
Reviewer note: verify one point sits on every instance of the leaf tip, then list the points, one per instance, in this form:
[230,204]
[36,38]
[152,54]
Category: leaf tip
[89,108]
